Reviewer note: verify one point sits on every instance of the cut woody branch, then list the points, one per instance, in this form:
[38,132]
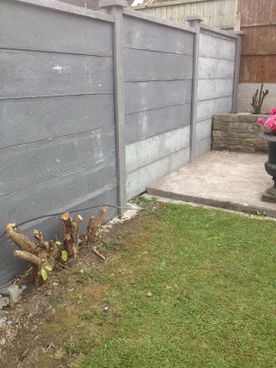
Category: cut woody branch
[70,233]
[44,254]
[76,226]
[41,254]
[93,230]
[258,99]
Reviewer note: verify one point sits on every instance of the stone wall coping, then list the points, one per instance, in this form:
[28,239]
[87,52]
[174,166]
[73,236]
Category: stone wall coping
[239,117]
[242,114]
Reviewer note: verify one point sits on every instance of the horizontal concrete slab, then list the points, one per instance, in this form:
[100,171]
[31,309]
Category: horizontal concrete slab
[143,152]
[141,34]
[207,108]
[215,68]
[138,180]
[49,30]
[156,65]
[222,179]
[32,74]
[214,88]
[145,124]
[219,48]
[142,96]
[37,119]
[203,129]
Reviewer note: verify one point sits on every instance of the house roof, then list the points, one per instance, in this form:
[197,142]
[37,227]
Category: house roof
[89,4]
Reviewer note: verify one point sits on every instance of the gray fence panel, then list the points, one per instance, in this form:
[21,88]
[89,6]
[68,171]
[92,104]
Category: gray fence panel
[59,74]
[68,132]
[158,66]
[36,119]
[28,27]
[63,192]
[216,63]
[49,159]
[145,35]
[143,96]
[213,45]
[11,265]
[145,124]
[57,144]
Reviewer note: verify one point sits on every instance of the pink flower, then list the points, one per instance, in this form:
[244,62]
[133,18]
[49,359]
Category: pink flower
[271,122]
[261,121]
[273,111]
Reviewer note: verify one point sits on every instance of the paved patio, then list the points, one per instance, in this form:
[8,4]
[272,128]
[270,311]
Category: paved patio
[222,179]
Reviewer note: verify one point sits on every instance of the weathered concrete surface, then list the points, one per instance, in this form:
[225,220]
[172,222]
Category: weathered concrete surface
[157,100]
[222,179]
[58,148]
[216,66]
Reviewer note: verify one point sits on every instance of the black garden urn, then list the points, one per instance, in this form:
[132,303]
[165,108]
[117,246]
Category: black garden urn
[270,166]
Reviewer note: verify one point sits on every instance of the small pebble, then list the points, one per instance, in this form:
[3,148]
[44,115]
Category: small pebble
[3,321]
[4,301]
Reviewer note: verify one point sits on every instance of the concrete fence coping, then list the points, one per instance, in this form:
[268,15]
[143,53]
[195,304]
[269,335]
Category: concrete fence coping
[109,3]
[219,32]
[194,18]
[133,13]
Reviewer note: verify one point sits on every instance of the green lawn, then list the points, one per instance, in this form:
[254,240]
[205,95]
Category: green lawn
[181,287]
[185,287]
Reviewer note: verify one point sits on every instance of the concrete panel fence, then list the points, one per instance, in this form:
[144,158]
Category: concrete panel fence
[94,105]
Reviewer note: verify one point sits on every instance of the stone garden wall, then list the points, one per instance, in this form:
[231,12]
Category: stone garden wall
[237,132]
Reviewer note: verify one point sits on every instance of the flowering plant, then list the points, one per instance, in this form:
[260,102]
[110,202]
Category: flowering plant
[270,123]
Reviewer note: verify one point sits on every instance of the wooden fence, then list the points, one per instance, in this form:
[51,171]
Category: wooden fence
[258,54]
[215,13]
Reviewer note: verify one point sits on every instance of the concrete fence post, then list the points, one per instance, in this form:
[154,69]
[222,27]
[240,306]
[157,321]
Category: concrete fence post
[115,8]
[236,70]
[194,22]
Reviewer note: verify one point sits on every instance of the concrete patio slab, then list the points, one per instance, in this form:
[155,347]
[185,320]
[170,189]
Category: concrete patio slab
[223,179]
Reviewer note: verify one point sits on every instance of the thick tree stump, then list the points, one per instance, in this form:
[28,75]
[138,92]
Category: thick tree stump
[70,233]
[94,225]
[93,231]
[76,225]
